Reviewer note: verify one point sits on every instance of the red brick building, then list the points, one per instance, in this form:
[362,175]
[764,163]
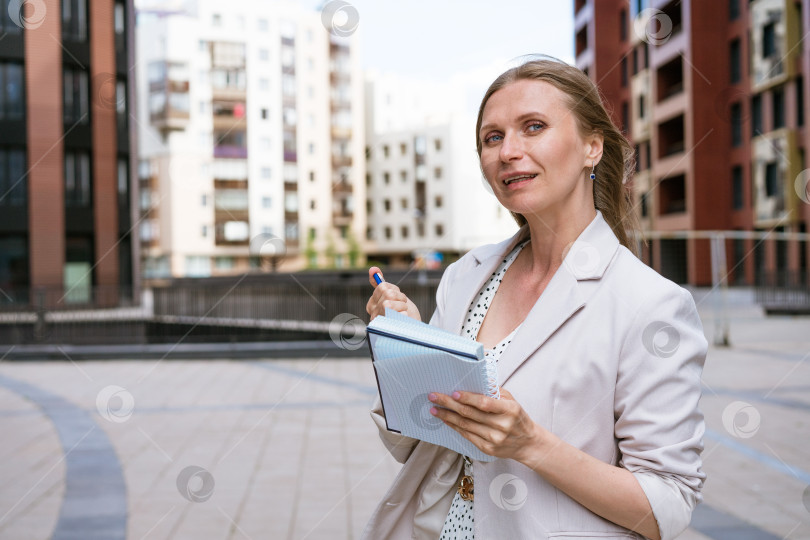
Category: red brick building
[66,151]
[713,96]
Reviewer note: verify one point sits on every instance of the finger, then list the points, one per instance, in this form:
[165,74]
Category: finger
[463,424]
[371,271]
[466,410]
[481,443]
[396,305]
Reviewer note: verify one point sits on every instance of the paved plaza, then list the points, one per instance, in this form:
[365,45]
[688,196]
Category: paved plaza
[285,449]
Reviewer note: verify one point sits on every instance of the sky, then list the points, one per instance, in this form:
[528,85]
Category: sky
[435,40]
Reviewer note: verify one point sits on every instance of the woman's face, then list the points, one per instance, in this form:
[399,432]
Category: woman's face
[532,153]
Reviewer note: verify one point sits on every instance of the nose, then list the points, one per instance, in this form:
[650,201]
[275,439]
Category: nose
[511,148]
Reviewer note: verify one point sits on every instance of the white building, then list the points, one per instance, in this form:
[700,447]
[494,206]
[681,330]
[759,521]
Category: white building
[425,190]
[251,138]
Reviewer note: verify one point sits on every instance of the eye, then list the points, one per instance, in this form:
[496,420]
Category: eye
[535,126]
[493,137]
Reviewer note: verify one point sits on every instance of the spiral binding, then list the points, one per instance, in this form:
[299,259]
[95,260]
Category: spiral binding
[493,389]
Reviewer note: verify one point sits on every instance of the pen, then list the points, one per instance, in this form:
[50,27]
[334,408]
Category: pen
[378,278]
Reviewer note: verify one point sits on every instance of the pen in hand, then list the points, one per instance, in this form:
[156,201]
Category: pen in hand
[378,278]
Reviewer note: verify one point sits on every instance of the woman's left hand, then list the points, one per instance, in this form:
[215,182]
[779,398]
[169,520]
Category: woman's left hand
[498,427]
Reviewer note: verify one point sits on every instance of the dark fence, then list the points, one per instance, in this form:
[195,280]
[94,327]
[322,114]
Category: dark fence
[262,307]
[784,291]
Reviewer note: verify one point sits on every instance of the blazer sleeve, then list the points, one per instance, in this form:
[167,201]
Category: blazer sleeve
[400,446]
[658,425]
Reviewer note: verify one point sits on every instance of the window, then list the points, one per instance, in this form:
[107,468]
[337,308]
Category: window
[403,148]
[216,19]
[437,172]
[74,20]
[13,185]
[733,10]
[386,150]
[625,117]
[290,201]
[637,152]
[263,25]
[403,175]
[11,91]
[78,184]
[76,97]
[624,72]
[437,144]
[387,177]
[800,101]
[123,183]
[641,106]
[264,55]
[404,203]
[771,180]
[267,202]
[645,204]
[119,18]
[204,200]
[623,24]
[734,61]
[387,205]
[223,263]
[439,228]
[769,40]
[264,114]
[204,231]
[312,204]
[387,231]
[756,115]
[737,188]
[438,201]
[736,125]
[404,231]
[778,107]
[368,179]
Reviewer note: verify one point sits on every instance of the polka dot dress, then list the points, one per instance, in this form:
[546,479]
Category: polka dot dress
[459,524]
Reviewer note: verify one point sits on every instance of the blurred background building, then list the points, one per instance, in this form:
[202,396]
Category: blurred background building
[712,95]
[426,198]
[67,152]
[251,133]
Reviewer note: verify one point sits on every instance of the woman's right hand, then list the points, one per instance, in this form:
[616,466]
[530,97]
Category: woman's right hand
[388,295]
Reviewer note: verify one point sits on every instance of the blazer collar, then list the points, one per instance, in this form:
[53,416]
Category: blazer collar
[587,259]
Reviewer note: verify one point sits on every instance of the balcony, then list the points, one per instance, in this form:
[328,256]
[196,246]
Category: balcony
[669,79]
[774,33]
[775,164]
[671,139]
[341,161]
[228,151]
[672,195]
[168,96]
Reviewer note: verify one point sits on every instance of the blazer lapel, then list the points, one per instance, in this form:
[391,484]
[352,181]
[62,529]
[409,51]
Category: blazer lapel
[559,301]
[587,259]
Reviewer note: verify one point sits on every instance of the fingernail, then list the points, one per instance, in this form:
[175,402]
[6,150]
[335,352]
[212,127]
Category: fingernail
[432,396]
[433,411]
[456,395]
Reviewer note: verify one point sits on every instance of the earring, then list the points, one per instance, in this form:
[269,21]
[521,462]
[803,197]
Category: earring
[593,176]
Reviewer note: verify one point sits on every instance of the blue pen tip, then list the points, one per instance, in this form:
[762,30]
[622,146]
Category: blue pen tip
[377,278]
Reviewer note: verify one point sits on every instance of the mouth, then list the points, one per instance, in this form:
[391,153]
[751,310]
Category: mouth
[518,178]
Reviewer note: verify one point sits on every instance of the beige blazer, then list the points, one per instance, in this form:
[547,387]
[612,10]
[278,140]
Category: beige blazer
[609,359]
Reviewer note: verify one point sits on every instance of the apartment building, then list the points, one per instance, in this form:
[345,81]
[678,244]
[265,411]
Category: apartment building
[425,194]
[251,139]
[712,95]
[67,153]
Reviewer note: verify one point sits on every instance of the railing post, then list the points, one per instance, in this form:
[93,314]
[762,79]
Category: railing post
[720,281]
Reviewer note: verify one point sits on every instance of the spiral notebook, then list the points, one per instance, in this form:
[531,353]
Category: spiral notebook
[412,359]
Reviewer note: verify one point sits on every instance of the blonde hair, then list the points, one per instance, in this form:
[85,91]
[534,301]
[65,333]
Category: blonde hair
[611,195]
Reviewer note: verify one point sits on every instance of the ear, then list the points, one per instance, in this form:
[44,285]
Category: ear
[593,148]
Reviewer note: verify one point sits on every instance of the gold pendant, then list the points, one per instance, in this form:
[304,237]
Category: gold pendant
[465,488]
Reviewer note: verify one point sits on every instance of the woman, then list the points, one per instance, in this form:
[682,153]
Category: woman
[599,358]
